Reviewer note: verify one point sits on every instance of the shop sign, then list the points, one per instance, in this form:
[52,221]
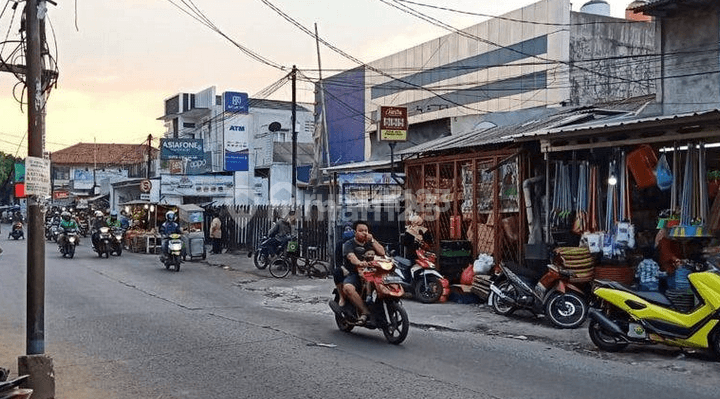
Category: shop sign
[181,149]
[235,102]
[198,185]
[393,124]
[237,152]
[61,195]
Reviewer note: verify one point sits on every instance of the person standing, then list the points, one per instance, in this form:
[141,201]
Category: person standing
[216,234]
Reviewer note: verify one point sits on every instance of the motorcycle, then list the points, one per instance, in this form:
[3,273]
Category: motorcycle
[268,248]
[55,231]
[16,232]
[623,316]
[11,389]
[71,241]
[116,243]
[382,293]
[420,278]
[174,252]
[553,294]
[104,242]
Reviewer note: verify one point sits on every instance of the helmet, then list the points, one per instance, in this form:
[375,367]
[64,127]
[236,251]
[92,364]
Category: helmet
[170,216]
[65,215]
[98,214]
[113,215]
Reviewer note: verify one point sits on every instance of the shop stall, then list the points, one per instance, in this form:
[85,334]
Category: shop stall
[141,218]
[191,218]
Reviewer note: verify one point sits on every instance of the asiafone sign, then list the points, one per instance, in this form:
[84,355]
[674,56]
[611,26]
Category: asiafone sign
[235,102]
[393,124]
[181,149]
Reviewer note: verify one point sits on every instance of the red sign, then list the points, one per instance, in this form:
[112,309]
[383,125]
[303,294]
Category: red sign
[19,190]
[61,194]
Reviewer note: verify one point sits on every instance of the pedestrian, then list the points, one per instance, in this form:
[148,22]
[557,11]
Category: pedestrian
[216,234]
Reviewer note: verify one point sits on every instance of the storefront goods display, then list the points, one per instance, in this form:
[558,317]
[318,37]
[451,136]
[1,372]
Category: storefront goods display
[579,260]
[622,273]
[694,207]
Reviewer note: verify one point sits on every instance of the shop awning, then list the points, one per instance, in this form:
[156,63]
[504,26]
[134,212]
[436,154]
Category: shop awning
[627,130]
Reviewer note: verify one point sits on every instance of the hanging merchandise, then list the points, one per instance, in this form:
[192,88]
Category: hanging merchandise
[642,163]
[581,204]
[663,174]
[693,201]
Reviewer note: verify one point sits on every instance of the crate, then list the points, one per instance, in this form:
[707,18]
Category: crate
[455,248]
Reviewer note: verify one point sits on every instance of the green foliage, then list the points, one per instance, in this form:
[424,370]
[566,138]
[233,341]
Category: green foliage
[7,164]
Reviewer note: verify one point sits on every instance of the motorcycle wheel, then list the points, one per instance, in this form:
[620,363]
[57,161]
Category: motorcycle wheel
[342,324]
[398,325]
[603,339]
[119,250]
[567,310]
[70,252]
[715,344]
[261,259]
[428,291]
[500,306]
[279,268]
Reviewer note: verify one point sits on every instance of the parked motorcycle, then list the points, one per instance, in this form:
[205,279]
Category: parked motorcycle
[268,248]
[71,241]
[420,277]
[11,389]
[16,232]
[104,243]
[173,257]
[553,295]
[623,316]
[382,295]
[117,235]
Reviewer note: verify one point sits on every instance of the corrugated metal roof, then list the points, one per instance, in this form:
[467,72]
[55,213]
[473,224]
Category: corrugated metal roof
[282,152]
[625,120]
[279,105]
[101,153]
[358,166]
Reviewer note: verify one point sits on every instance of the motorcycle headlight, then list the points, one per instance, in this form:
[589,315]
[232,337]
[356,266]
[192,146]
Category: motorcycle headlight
[72,239]
[118,237]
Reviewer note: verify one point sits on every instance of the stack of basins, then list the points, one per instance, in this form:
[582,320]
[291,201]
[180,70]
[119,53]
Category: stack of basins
[577,259]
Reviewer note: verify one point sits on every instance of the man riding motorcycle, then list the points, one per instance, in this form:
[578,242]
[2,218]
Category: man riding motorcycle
[113,221]
[170,226]
[353,253]
[66,224]
[97,223]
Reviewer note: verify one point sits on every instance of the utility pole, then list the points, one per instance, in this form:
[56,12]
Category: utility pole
[35,363]
[149,155]
[294,138]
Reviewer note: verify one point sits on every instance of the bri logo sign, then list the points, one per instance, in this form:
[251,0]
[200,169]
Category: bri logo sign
[235,102]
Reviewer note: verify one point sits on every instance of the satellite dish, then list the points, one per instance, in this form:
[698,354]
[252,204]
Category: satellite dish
[275,126]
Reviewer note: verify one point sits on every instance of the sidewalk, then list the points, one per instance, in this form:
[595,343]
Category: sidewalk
[478,318]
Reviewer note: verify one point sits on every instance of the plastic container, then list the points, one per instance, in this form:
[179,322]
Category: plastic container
[642,163]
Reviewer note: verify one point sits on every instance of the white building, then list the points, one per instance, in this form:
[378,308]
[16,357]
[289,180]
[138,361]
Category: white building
[246,147]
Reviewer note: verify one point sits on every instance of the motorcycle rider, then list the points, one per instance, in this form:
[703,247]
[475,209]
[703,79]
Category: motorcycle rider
[416,237]
[66,224]
[97,223]
[113,221]
[281,229]
[168,227]
[353,253]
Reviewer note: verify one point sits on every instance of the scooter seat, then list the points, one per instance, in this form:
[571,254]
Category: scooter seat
[403,261]
[650,296]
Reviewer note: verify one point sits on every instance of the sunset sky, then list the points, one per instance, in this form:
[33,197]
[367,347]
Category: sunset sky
[120,59]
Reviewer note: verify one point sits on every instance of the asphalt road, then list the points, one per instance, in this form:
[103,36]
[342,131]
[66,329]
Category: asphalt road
[127,328]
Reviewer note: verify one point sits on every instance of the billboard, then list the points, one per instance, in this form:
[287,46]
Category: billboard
[85,179]
[235,102]
[237,152]
[199,166]
[197,186]
[393,124]
[181,149]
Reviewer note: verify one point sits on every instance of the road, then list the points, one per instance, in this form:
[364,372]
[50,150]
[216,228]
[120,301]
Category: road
[127,328]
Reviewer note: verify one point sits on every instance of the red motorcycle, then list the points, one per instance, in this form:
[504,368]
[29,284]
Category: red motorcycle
[381,292]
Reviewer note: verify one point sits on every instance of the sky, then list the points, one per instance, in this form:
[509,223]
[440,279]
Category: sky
[120,59]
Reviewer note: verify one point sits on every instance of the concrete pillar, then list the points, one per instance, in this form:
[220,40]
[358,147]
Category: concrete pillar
[42,377]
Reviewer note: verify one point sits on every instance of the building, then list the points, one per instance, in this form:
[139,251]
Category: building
[88,169]
[243,142]
[542,55]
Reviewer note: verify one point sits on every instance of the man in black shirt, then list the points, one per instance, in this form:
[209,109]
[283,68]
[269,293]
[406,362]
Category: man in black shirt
[354,257]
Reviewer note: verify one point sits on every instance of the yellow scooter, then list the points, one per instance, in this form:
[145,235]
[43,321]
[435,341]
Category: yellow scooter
[622,316]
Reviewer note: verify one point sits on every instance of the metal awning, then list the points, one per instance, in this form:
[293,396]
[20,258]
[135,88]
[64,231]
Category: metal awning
[358,166]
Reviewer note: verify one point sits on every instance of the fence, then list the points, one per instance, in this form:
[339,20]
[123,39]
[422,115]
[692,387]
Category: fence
[244,225]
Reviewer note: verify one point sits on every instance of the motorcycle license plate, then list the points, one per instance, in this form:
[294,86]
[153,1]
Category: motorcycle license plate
[392,280]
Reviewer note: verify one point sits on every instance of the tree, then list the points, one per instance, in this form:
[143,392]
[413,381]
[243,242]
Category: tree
[7,169]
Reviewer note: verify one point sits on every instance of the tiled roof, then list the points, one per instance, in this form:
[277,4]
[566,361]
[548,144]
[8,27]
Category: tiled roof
[102,154]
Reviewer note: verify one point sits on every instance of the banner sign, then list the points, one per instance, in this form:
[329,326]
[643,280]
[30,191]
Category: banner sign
[86,179]
[237,152]
[200,185]
[181,148]
[19,173]
[235,102]
[199,166]
[393,124]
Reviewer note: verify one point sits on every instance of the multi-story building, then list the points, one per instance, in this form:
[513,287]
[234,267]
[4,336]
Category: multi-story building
[246,143]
